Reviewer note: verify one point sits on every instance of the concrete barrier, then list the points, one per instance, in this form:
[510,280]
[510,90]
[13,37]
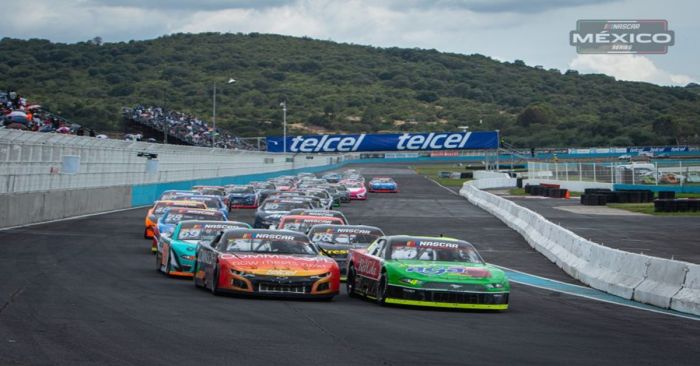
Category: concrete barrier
[661,282]
[688,298]
[27,208]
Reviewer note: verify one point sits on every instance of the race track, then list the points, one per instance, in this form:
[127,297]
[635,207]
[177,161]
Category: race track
[86,291]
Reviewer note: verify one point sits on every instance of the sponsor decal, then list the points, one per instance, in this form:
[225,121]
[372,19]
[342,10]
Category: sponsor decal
[350,231]
[431,244]
[386,142]
[368,267]
[336,251]
[440,270]
[273,236]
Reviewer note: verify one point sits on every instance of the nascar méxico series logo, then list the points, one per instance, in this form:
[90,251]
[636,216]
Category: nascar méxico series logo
[385,142]
[622,36]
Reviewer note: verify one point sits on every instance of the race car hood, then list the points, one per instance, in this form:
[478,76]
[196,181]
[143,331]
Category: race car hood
[431,271]
[184,247]
[279,265]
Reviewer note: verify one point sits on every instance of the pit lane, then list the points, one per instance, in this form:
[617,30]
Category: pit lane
[86,292]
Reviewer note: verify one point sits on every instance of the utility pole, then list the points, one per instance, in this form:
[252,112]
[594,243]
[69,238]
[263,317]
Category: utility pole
[284,126]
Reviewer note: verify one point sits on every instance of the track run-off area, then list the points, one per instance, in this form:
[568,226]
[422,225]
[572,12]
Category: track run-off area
[86,291]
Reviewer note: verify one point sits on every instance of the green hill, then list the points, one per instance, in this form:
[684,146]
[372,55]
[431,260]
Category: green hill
[342,87]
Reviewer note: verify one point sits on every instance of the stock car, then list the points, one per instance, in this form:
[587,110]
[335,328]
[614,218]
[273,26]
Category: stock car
[332,177]
[265,263]
[212,202]
[383,184]
[317,212]
[426,271]
[270,212]
[302,223]
[336,241]
[159,207]
[176,251]
[242,196]
[343,192]
[172,216]
[356,189]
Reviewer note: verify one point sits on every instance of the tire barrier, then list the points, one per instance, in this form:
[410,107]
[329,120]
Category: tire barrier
[661,282]
[601,197]
[667,194]
[677,205]
[546,190]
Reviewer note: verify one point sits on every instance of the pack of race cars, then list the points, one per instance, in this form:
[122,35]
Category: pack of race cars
[301,245]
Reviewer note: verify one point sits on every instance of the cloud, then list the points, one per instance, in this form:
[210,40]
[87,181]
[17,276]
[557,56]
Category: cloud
[628,67]
[190,4]
[499,6]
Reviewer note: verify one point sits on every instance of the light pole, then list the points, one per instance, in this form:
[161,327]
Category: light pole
[213,119]
[284,126]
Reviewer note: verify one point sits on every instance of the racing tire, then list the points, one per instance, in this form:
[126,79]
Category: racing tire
[350,282]
[159,259]
[381,289]
[214,288]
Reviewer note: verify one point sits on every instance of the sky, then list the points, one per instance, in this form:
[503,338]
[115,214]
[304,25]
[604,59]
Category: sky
[534,31]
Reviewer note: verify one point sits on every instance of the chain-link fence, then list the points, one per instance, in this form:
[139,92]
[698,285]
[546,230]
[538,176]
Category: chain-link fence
[31,161]
[671,172]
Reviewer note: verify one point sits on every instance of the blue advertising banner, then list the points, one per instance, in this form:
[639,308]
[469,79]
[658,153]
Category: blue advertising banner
[385,142]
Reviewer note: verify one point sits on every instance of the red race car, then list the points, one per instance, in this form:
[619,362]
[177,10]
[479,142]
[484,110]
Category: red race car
[265,263]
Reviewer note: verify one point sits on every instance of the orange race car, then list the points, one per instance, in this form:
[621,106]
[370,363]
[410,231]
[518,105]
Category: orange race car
[159,207]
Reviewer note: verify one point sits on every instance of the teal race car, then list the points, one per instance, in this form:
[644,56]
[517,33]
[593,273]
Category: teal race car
[426,271]
[176,252]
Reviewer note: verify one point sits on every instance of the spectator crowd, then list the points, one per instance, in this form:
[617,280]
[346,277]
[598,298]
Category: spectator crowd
[185,127]
[16,112]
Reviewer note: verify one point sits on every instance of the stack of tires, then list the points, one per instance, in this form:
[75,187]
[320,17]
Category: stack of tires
[677,205]
[597,197]
[546,190]
[592,196]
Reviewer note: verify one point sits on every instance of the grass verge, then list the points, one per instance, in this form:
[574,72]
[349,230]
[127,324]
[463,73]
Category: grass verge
[432,171]
[648,208]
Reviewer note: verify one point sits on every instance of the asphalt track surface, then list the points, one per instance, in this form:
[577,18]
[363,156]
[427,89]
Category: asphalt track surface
[86,292]
[660,236]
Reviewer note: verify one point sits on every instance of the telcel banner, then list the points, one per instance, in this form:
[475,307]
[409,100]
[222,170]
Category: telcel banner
[385,142]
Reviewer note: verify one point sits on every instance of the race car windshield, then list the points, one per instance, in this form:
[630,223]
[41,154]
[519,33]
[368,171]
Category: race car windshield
[271,246]
[284,206]
[319,194]
[242,190]
[352,238]
[174,218]
[207,232]
[303,225]
[434,250]
[161,207]
[212,192]
[354,185]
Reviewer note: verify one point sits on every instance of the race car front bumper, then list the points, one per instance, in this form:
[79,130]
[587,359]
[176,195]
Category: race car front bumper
[275,286]
[447,299]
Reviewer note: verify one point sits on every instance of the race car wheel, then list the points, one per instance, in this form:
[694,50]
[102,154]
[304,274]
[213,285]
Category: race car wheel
[214,287]
[159,260]
[350,282]
[381,289]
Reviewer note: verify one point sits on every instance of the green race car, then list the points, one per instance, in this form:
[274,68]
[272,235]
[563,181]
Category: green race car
[425,271]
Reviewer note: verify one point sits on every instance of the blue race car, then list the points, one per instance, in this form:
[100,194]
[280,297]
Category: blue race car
[332,177]
[383,184]
[244,196]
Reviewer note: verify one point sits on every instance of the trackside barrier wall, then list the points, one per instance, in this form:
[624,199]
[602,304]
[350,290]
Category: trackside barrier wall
[661,282]
[486,180]
[25,208]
